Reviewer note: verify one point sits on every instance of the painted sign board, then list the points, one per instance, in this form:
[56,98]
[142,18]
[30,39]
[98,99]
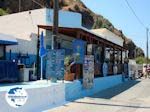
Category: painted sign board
[78,50]
[55,64]
[88,71]
[95,50]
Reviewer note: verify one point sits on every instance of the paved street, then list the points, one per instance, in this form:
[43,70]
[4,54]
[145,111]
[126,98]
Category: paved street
[133,96]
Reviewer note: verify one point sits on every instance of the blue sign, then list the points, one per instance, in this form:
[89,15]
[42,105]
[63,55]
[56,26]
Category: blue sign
[78,50]
[55,64]
[42,50]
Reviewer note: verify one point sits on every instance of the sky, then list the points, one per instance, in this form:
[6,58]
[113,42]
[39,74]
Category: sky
[120,15]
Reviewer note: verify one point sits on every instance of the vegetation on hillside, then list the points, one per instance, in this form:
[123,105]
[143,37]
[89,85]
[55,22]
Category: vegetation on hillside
[141,60]
[3,12]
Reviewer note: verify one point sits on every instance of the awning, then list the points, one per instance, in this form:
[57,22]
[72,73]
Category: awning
[7,39]
[85,33]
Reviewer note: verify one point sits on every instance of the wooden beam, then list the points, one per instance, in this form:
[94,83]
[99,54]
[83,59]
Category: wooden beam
[4,51]
[37,59]
[121,56]
[89,37]
[55,17]
[78,34]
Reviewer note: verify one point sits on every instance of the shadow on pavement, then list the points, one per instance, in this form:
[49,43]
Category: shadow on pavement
[121,105]
[115,90]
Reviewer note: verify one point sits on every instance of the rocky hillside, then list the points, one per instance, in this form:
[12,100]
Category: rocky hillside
[90,19]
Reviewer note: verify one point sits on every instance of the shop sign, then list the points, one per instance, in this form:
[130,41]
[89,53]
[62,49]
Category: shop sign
[55,64]
[78,50]
[88,71]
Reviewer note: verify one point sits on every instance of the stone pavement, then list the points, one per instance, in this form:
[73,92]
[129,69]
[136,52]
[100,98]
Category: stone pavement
[131,96]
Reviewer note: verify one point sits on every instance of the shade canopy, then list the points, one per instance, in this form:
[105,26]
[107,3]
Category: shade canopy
[7,39]
[85,34]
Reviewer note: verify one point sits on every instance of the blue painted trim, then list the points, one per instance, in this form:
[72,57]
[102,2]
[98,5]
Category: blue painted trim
[75,90]
[29,61]
[5,42]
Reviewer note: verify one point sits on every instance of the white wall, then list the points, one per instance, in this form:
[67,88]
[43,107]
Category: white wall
[40,97]
[23,26]
[44,96]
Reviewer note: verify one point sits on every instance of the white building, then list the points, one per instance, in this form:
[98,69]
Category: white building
[23,26]
[26,26]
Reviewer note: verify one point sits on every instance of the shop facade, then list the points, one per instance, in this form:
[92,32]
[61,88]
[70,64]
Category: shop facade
[27,27]
[102,49]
